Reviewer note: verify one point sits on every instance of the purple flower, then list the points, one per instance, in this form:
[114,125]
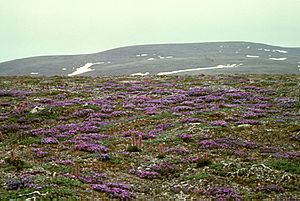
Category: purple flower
[218,123]
[129,106]
[91,178]
[23,181]
[118,185]
[104,157]
[98,115]
[118,113]
[222,193]
[144,174]
[13,127]
[185,137]
[286,102]
[151,111]
[248,121]
[268,149]
[91,147]
[14,93]
[271,188]
[236,142]
[163,168]
[238,153]
[251,114]
[163,127]
[191,120]
[49,140]
[39,152]
[115,192]
[64,162]
[288,155]
[90,137]
[121,193]
[190,103]
[82,113]
[198,91]
[181,108]
[14,184]
[211,98]
[212,144]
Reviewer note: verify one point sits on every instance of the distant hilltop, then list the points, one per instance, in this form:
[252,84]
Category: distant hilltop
[164,59]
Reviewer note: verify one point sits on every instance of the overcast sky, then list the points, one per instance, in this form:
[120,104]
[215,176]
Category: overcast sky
[47,27]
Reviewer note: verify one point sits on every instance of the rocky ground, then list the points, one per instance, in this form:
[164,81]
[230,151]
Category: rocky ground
[150,138]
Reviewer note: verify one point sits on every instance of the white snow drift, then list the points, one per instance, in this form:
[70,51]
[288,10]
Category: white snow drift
[199,69]
[280,51]
[84,69]
[252,56]
[278,59]
[140,74]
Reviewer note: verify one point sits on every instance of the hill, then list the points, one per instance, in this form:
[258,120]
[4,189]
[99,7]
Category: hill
[194,58]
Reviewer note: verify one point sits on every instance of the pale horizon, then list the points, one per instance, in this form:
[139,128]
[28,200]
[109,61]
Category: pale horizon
[51,27]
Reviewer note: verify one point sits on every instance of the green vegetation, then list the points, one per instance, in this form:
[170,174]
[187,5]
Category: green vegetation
[192,136]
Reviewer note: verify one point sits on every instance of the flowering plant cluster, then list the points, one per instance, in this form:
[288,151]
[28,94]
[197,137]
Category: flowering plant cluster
[187,132]
[115,191]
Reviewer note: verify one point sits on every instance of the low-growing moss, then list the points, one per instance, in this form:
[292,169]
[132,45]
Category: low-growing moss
[116,159]
[197,176]
[57,168]
[162,115]
[285,165]
[61,181]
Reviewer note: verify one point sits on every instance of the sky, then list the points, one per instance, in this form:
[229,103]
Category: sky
[53,27]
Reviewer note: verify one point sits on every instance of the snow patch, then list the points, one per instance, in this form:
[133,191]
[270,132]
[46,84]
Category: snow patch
[199,69]
[267,50]
[280,51]
[144,55]
[252,56]
[278,59]
[248,47]
[150,59]
[34,73]
[167,57]
[84,69]
[140,74]
[64,68]
[138,55]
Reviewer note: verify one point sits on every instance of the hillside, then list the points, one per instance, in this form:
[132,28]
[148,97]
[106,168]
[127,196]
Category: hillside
[157,137]
[213,58]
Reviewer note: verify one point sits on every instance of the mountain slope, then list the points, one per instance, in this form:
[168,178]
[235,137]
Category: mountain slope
[164,59]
